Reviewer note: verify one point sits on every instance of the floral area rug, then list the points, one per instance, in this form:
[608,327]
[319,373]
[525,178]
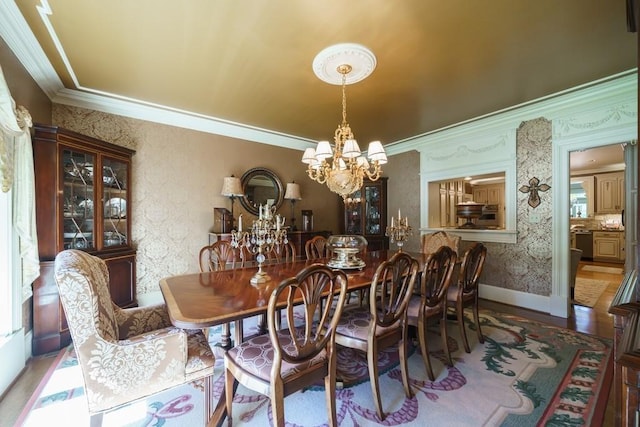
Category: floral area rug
[525,374]
[588,291]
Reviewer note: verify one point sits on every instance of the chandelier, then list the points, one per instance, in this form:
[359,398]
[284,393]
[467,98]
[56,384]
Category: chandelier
[344,167]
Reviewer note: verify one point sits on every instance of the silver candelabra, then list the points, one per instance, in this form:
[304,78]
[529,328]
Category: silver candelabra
[266,232]
[399,230]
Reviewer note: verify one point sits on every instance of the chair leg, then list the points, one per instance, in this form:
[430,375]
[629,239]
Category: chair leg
[445,337]
[208,399]
[225,337]
[330,395]
[461,325]
[239,331]
[372,361]
[229,388]
[277,404]
[424,348]
[476,317]
[404,368]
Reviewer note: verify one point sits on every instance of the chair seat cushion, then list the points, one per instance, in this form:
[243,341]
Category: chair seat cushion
[355,323]
[256,357]
[413,310]
[200,358]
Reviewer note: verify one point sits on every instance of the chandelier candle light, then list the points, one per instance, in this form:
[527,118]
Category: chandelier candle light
[344,168]
[399,231]
[265,233]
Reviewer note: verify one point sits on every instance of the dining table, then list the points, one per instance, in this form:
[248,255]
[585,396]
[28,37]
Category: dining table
[203,300]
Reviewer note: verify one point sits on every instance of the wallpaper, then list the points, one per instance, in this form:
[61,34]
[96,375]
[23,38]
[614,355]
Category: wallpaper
[403,190]
[526,265]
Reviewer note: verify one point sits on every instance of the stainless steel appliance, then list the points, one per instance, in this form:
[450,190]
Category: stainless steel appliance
[584,241]
[490,217]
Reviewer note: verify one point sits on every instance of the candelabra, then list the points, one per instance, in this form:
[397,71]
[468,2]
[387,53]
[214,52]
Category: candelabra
[399,231]
[266,232]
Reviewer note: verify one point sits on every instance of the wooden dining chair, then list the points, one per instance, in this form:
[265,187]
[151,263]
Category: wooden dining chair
[297,356]
[283,252]
[431,303]
[219,256]
[432,241]
[464,292]
[383,323]
[316,248]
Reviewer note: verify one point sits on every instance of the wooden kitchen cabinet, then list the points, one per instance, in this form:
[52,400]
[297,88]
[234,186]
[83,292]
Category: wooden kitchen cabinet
[83,190]
[366,214]
[610,192]
[608,246]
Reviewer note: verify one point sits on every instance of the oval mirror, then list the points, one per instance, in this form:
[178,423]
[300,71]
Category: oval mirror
[261,186]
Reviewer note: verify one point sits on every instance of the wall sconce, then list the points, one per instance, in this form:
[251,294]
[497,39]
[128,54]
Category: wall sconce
[292,193]
[232,188]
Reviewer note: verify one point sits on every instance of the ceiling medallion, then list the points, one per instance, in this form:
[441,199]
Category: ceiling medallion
[343,168]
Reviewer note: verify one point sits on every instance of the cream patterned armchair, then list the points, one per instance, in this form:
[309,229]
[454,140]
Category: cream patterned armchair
[125,354]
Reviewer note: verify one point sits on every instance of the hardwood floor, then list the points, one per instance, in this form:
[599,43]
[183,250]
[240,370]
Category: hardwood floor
[595,321]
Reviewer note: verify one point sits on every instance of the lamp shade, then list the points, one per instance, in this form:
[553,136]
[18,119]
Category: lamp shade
[309,156]
[323,150]
[376,152]
[293,191]
[232,187]
[350,149]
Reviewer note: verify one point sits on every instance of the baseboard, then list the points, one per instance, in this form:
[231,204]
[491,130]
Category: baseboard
[516,298]
[12,359]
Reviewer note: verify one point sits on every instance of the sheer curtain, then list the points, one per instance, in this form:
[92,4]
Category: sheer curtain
[17,174]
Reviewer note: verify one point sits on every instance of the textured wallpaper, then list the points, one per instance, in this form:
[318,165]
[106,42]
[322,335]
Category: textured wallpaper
[526,265]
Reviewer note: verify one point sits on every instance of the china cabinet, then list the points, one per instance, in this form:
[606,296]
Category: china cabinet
[83,190]
[365,213]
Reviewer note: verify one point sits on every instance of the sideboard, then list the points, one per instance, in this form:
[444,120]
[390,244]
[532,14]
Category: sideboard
[298,238]
[625,309]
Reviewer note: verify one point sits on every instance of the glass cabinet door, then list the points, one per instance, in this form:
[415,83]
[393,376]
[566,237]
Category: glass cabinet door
[372,210]
[114,191]
[78,197]
[353,218]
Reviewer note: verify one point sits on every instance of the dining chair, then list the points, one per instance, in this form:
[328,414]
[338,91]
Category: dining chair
[382,323]
[432,241]
[298,355]
[464,292]
[125,354]
[220,256]
[283,252]
[316,248]
[431,302]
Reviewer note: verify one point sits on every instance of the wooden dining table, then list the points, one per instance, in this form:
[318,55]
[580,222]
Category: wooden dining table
[202,300]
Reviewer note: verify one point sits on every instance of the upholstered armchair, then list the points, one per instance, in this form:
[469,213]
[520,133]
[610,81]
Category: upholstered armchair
[125,354]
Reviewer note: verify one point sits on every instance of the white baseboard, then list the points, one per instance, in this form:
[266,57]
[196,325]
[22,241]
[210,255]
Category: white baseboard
[12,359]
[517,298]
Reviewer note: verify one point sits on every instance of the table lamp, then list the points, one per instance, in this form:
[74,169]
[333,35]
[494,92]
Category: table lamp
[292,194]
[232,188]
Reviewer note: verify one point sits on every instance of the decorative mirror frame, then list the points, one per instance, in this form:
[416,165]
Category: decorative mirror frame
[249,205]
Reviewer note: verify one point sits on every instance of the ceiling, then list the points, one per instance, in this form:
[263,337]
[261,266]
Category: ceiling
[246,65]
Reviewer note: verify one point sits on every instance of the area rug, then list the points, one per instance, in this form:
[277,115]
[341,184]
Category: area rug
[587,291]
[526,373]
[600,269]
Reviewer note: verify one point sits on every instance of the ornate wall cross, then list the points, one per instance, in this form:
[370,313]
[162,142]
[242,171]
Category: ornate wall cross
[533,188]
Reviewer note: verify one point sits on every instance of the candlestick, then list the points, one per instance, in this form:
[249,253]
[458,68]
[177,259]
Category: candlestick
[400,231]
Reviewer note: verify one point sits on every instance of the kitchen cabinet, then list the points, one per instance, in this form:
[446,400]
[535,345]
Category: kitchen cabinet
[610,192]
[608,246]
[365,213]
[83,190]
[451,194]
[489,194]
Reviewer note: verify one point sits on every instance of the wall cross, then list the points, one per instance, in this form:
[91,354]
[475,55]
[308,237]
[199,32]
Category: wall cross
[533,188]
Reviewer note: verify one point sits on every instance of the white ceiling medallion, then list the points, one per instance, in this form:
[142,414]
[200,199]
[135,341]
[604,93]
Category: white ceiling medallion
[360,58]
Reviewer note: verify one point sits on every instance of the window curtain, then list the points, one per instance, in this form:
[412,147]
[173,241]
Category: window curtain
[17,174]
